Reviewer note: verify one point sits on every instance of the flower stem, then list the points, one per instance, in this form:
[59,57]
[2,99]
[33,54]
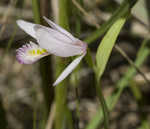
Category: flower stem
[45,64]
[103,104]
[61,89]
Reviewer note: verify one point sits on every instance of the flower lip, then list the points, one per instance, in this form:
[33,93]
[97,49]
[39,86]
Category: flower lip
[30,53]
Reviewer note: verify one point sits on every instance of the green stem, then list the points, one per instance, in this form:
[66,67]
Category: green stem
[44,67]
[103,104]
[61,89]
[36,11]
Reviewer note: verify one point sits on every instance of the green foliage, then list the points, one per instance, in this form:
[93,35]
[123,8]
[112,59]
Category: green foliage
[106,45]
[112,100]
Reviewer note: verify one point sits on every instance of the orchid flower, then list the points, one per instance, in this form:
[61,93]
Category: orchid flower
[54,40]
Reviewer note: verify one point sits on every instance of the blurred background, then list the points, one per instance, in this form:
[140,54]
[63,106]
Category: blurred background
[27,98]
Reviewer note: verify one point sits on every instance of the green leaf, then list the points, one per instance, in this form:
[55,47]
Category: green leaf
[106,45]
[121,84]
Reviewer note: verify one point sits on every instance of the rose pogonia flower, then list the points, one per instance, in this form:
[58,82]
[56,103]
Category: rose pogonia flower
[54,40]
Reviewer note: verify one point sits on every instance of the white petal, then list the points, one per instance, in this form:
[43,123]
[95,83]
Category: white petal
[27,27]
[55,46]
[60,29]
[54,33]
[30,53]
[68,70]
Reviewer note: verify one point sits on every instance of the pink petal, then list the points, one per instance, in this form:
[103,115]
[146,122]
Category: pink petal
[30,53]
[60,29]
[27,27]
[57,47]
[68,70]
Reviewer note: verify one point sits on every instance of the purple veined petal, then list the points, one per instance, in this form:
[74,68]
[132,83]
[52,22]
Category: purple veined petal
[27,27]
[68,70]
[60,29]
[30,53]
[57,47]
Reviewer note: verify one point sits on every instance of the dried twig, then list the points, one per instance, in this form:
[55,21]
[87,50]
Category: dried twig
[24,13]
[5,19]
[85,13]
[51,117]
[131,63]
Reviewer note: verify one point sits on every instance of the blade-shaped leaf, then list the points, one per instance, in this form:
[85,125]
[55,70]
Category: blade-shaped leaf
[106,45]
[121,84]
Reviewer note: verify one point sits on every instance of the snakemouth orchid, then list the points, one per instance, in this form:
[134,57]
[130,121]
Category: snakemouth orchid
[54,40]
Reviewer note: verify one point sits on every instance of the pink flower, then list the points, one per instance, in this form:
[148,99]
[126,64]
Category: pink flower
[54,40]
